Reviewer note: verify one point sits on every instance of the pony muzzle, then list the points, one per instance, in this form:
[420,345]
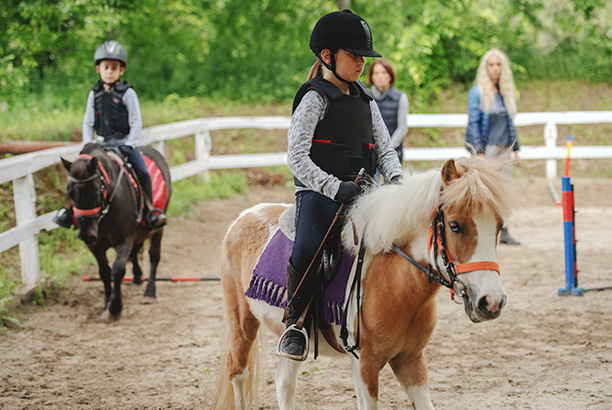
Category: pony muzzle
[481,307]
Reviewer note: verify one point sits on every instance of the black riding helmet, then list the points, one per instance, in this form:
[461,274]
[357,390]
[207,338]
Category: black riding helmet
[111,50]
[345,30]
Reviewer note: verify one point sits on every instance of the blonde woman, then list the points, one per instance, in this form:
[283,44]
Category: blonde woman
[491,110]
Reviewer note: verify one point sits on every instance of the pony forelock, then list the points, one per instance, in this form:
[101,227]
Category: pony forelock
[398,213]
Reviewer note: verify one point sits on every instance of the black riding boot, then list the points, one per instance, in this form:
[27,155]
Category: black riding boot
[293,343]
[64,217]
[155,217]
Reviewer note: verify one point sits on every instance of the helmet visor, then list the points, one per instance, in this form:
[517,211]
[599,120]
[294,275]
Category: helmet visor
[363,52]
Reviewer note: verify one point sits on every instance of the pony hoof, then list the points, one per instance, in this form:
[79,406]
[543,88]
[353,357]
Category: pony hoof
[137,280]
[107,317]
[147,300]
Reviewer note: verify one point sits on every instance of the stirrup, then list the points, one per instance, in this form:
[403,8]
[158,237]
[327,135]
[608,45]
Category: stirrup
[280,342]
[154,216]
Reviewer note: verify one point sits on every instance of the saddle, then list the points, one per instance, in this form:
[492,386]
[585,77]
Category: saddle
[269,279]
[158,184]
[332,252]
[127,171]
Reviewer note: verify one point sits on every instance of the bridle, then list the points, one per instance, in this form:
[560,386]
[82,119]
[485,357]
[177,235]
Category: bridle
[101,210]
[437,241]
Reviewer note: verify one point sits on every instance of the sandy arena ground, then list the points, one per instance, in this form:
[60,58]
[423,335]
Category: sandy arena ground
[545,352]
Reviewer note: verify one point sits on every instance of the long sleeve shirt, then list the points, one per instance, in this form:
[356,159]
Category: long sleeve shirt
[130,99]
[304,121]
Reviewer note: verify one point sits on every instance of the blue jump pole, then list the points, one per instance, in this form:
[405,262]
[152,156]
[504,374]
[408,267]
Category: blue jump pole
[569,232]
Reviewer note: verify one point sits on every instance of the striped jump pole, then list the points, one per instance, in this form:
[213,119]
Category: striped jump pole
[175,279]
[569,230]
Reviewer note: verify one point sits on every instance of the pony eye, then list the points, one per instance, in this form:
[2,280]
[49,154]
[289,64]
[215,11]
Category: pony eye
[455,227]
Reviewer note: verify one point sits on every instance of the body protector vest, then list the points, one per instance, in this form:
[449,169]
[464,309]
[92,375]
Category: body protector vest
[111,121]
[343,141]
[388,104]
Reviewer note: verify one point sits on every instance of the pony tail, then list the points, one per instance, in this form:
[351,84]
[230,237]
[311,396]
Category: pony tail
[315,71]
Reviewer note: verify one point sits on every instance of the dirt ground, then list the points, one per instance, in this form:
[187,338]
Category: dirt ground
[544,352]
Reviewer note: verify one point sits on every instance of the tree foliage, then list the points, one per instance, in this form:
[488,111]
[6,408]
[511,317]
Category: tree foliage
[258,50]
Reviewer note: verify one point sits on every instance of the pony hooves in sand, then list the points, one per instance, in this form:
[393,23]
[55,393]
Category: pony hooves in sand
[107,317]
[405,264]
[148,300]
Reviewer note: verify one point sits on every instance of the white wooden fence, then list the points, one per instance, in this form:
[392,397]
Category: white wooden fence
[19,169]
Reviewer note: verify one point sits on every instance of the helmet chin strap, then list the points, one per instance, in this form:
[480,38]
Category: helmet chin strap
[332,67]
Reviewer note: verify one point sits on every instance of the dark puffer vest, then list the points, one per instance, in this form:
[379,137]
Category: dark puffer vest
[388,105]
[111,113]
[343,139]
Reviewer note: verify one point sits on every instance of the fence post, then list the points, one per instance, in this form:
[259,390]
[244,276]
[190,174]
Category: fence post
[550,140]
[203,146]
[25,211]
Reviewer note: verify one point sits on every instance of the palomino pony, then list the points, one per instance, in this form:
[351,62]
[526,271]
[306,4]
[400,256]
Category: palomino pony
[397,313]
[109,214]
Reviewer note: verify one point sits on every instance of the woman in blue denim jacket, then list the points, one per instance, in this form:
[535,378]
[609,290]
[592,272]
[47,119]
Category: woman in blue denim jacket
[491,110]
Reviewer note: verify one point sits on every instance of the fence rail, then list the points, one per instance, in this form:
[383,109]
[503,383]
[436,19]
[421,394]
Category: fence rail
[19,169]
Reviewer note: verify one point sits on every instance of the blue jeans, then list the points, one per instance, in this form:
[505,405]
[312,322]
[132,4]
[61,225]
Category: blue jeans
[139,166]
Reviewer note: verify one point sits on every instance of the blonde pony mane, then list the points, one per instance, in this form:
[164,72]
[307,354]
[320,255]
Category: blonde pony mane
[399,213]
[487,88]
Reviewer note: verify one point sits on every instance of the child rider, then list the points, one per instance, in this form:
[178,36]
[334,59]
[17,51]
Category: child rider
[336,129]
[113,112]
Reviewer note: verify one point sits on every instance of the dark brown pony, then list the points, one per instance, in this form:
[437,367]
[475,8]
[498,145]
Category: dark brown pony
[108,214]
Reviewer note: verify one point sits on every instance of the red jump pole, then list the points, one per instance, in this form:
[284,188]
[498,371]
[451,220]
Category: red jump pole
[179,279]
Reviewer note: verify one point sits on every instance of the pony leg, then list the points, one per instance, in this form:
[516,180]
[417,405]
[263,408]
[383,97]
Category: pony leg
[136,271]
[105,273]
[118,272]
[154,256]
[412,374]
[365,401]
[241,369]
[285,380]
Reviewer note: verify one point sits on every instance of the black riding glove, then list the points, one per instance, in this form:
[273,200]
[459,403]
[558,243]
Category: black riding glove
[347,192]
[126,150]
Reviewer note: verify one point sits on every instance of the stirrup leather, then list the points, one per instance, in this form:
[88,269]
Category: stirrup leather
[282,338]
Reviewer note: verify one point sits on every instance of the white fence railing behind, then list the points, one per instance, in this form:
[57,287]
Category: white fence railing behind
[19,169]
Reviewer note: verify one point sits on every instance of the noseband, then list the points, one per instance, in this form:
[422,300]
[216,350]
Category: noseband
[437,241]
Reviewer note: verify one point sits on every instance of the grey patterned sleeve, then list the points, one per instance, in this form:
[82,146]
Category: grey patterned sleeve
[299,140]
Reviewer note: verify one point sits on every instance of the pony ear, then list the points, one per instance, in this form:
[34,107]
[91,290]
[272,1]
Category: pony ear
[93,165]
[449,172]
[66,164]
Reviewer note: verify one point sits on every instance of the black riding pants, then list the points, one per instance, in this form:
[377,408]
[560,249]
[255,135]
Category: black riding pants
[314,215]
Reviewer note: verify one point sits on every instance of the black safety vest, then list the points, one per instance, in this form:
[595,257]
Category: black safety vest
[343,139]
[111,113]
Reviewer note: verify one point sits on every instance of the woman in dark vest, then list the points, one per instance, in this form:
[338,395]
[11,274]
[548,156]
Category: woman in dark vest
[393,103]
[336,129]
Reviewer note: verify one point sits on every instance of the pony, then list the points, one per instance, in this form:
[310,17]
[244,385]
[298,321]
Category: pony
[109,213]
[439,227]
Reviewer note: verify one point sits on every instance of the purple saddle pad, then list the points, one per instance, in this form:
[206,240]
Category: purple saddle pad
[269,281]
